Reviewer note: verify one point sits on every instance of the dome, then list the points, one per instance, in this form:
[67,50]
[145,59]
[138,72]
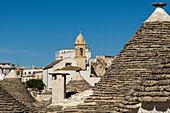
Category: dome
[80,39]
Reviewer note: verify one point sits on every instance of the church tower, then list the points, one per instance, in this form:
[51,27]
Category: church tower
[80,47]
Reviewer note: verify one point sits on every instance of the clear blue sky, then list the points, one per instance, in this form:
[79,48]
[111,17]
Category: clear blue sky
[32,30]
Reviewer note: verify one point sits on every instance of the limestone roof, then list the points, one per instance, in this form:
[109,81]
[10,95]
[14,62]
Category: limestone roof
[10,104]
[59,73]
[80,39]
[71,68]
[6,63]
[14,96]
[139,73]
[159,14]
[77,84]
[77,76]
[52,64]
[12,74]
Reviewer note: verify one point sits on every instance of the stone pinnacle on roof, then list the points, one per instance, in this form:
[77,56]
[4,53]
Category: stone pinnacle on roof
[77,83]
[159,14]
[80,31]
[78,76]
[12,74]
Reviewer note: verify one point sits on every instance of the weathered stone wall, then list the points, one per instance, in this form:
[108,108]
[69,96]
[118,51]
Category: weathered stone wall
[99,68]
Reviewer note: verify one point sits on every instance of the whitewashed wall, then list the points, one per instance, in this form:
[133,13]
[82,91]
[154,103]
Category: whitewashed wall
[62,63]
[47,78]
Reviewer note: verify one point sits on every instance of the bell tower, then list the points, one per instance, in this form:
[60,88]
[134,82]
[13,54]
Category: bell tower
[80,47]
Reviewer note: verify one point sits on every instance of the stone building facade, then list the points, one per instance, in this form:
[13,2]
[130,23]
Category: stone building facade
[34,73]
[101,64]
[79,57]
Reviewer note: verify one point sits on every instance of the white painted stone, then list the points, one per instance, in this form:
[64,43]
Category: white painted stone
[158,15]
[75,100]
[2,76]
[47,78]
[39,98]
[12,74]
[58,90]
[77,76]
[33,73]
[46,97]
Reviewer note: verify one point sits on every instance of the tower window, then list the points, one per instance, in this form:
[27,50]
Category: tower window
[68,64]
[81,51]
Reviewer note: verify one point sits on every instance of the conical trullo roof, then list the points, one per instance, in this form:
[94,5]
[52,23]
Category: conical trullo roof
[13,85]
[12,74]
[9,104]
[77,84]
[139,74]
[14,96]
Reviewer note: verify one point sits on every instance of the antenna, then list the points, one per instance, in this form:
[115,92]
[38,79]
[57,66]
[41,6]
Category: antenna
[68,46]
[19,61]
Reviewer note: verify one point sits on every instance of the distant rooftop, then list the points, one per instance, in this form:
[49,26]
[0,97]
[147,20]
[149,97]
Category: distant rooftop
[6,63]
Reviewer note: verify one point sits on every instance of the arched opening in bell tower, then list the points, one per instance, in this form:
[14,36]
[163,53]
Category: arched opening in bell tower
[81,51]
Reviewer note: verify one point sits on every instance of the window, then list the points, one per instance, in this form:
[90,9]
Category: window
[29,72]
[68,64]
[81,51]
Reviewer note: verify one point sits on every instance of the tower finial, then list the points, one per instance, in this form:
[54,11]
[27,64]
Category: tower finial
[80,30]
[88,47]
